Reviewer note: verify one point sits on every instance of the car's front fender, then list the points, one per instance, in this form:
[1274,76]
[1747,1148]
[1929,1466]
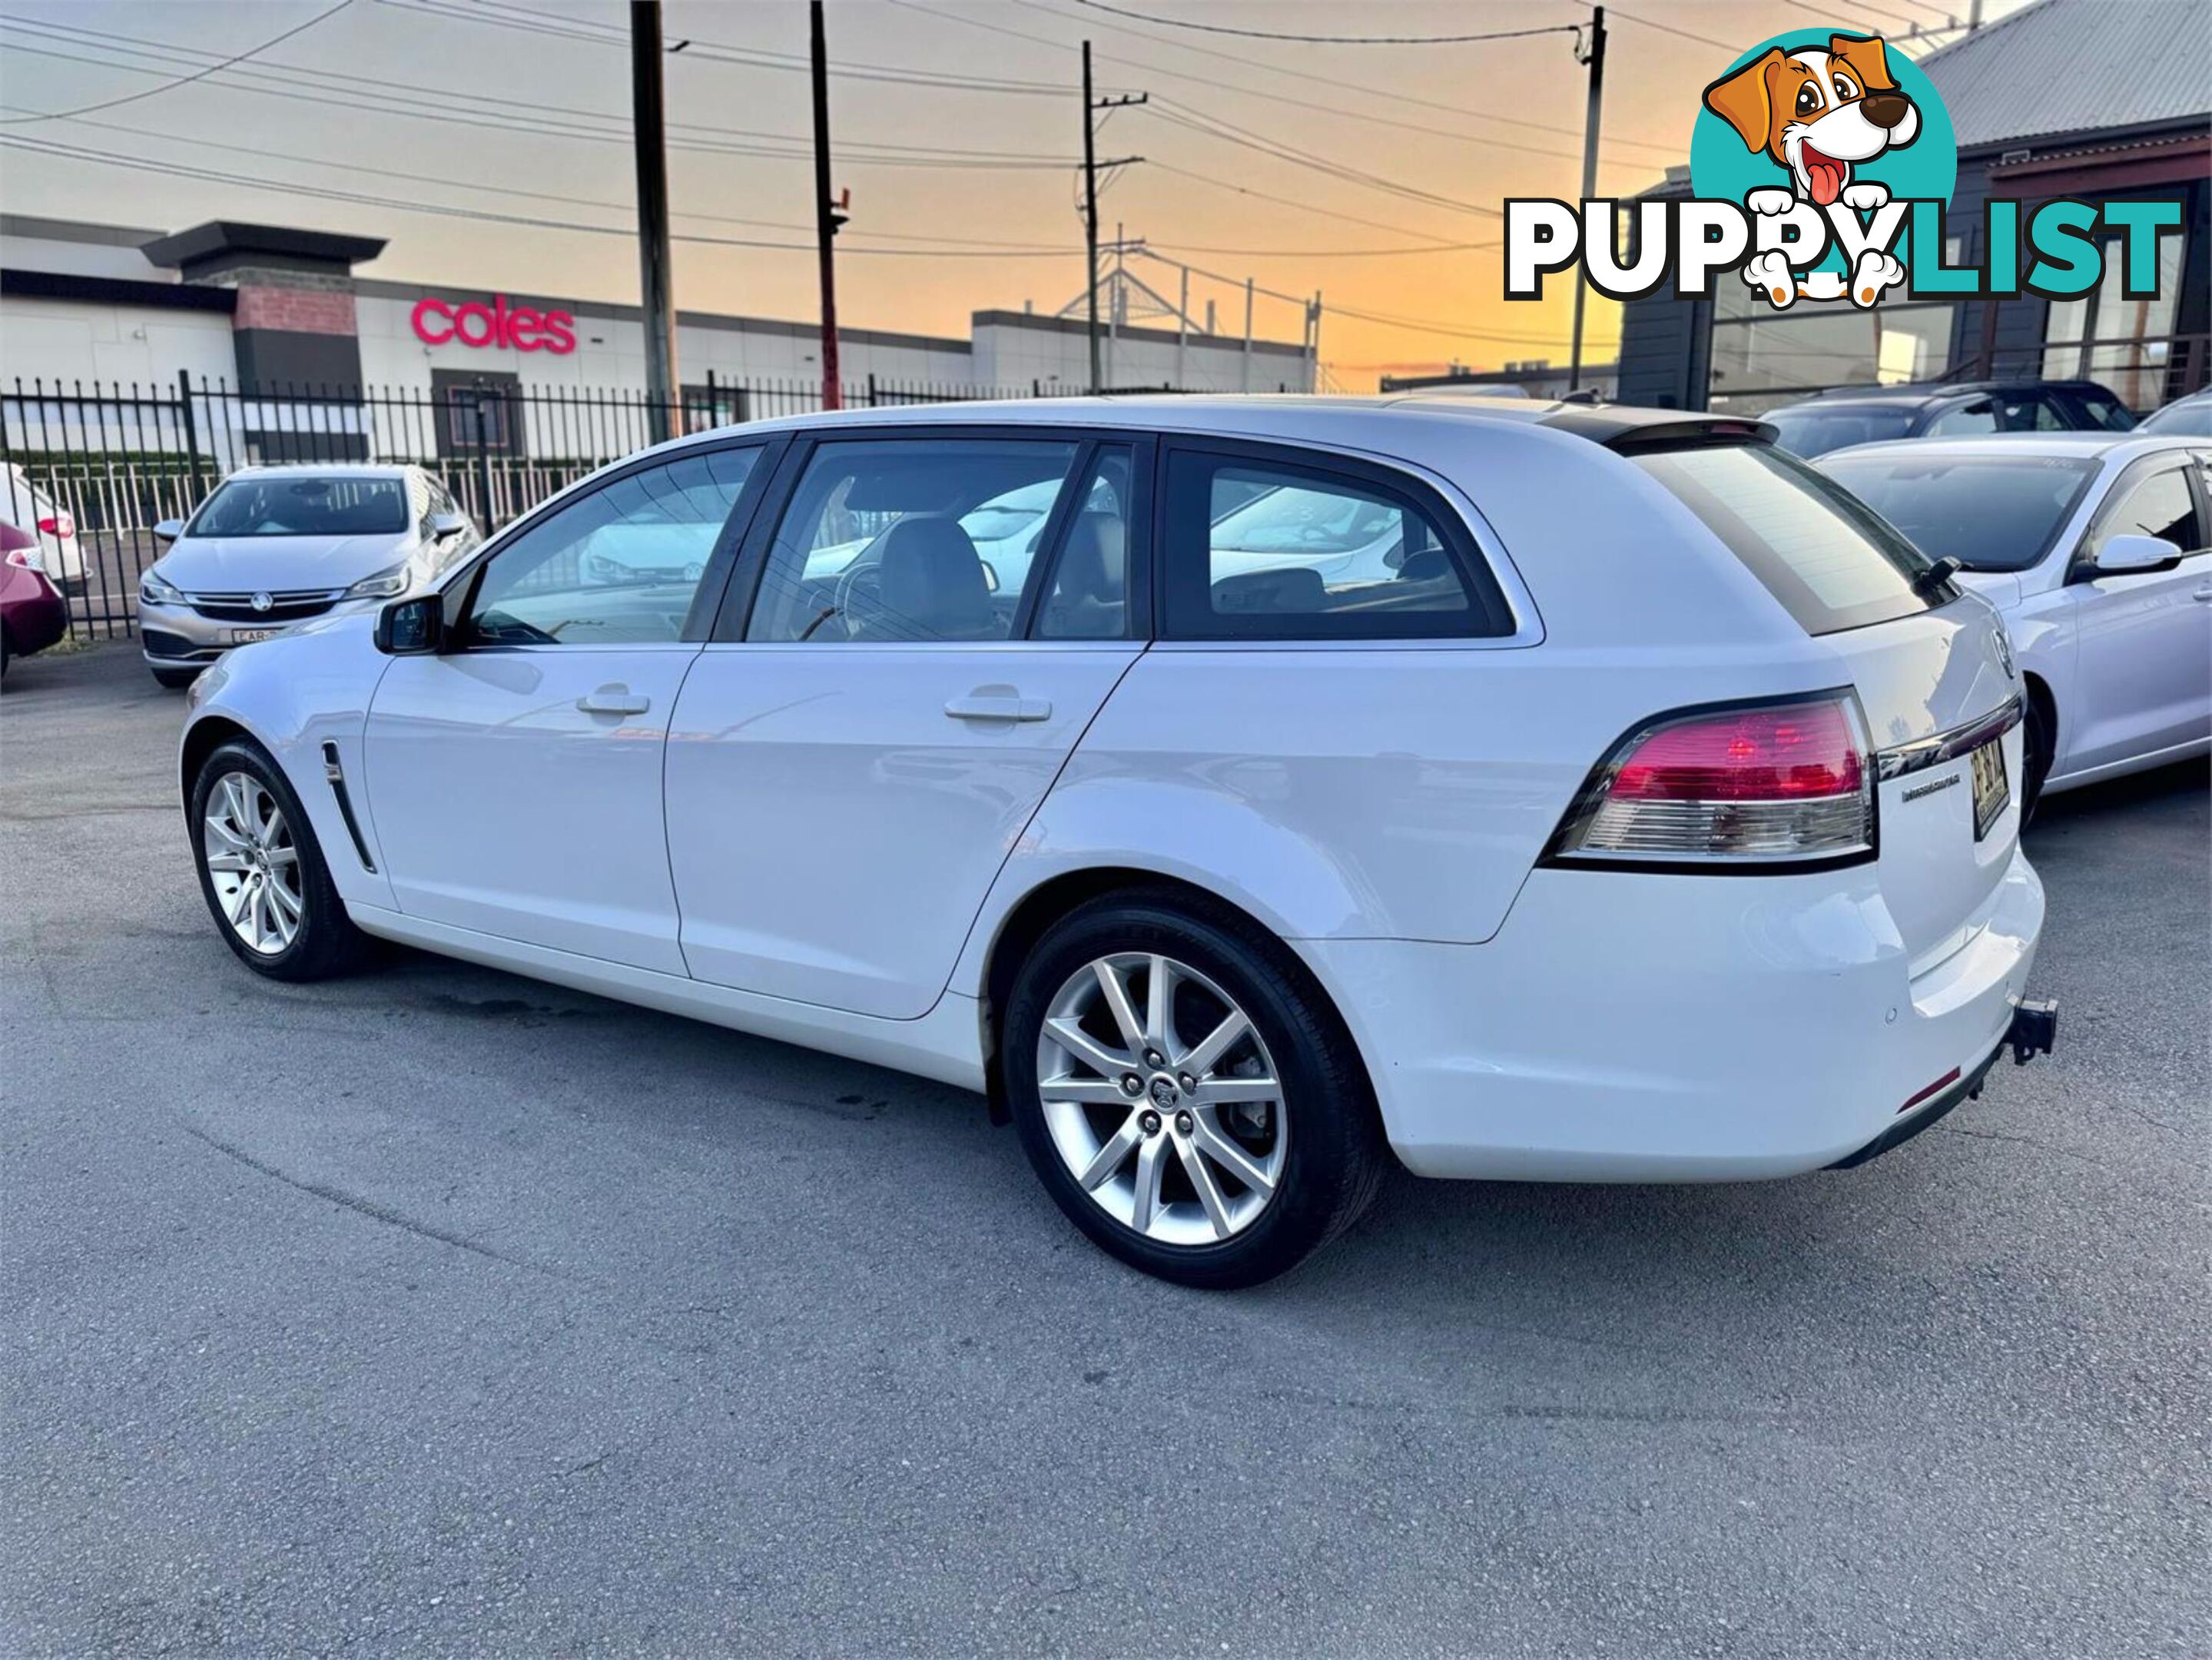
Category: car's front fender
[291,695]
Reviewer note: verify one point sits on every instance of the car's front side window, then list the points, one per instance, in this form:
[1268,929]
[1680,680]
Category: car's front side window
[2159,504]
[891,541]
[621,566]
[1263,549]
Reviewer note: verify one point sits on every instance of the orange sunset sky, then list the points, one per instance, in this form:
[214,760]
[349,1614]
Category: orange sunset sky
[1363,171]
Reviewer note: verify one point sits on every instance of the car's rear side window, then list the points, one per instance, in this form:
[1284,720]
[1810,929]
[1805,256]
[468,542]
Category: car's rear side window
[1832,563]
[1272,546]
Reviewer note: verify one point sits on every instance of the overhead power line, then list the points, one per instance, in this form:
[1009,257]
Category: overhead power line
[182,80]
[490,14]
[568,198]
[1183,115]
[1392,95]
[1329,39]
[530,116]
[184,170]
[1734,48]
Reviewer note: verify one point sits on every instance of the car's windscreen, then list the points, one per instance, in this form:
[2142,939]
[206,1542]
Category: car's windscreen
[1832,563]
[1990,513]
[288,504]
[1810,432]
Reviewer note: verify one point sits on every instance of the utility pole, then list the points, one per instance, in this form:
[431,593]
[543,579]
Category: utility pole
[829,215]
[648,127]
[1589,179]
[1092,106]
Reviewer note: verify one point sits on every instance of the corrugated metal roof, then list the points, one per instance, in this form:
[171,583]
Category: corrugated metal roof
[2077,65]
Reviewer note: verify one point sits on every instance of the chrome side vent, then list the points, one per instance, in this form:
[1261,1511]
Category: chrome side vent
[333,770]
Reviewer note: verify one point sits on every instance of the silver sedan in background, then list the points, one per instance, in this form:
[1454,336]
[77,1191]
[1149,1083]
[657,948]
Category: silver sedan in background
[276,546]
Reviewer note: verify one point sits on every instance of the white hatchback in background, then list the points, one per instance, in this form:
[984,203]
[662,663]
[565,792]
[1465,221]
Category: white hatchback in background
[2098,550]
[35,513]
[1613,800]
[276,546]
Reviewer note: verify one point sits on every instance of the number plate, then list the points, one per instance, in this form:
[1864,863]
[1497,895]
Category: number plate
[1992,790]
[247,637]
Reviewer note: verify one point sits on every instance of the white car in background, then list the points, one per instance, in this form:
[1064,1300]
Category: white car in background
[35,513]
[2096,550]
[274,546]
[1649,817]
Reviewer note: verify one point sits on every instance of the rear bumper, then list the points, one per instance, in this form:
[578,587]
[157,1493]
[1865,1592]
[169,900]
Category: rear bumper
[1625,1027]
[34,620]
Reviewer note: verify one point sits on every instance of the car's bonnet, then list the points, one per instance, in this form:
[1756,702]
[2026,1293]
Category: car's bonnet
[227,565]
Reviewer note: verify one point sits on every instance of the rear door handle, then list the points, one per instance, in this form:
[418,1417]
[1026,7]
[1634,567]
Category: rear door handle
[614,700]
[998,706]
[2204,595]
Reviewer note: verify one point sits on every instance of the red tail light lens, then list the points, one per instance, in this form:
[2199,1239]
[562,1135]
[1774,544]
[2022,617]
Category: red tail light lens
[1779,783]
[60,525]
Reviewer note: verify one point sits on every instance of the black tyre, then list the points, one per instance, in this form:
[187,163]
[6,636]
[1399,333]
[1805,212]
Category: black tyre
[263,873]
[2036,739]
[175,679]
[1216,1137]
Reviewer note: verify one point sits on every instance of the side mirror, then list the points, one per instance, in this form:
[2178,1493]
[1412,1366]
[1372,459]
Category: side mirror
[168,530]
[2132,555]
[444,526]
[411,628]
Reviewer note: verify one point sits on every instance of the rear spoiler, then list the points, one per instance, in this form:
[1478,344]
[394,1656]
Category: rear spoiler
[1627,430]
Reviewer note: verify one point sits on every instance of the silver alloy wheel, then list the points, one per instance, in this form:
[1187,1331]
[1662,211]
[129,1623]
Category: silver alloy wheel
[1184,1143]
[252,863]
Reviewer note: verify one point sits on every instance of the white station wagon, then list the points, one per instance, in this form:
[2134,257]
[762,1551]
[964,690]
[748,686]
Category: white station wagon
[1582,795]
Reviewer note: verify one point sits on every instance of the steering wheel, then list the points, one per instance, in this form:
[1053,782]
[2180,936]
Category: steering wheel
[859,588]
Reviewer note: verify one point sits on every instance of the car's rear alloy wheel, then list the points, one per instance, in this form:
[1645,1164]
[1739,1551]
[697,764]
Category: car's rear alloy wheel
[262,870]
[1185,1091]
[1182,1139]
[252,863]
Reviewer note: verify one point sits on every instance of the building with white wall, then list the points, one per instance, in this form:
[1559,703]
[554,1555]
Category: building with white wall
[274,310]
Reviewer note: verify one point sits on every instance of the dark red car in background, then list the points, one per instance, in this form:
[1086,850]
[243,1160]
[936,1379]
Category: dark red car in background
[32,614]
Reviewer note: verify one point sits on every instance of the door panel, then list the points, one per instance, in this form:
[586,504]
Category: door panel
[503,807]
[2145,641]
[833,828]
[515,781]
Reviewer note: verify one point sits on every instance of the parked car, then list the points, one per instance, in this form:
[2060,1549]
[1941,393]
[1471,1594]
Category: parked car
[1866,415]
[33,613]
[50,526]
[2185,418]
[2097,552]
[274,546]
[1651,817]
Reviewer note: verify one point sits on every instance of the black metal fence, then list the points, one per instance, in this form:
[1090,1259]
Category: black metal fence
[99,466]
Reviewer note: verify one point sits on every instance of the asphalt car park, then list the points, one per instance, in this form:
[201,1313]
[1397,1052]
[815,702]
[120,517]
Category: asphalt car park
[437,1310]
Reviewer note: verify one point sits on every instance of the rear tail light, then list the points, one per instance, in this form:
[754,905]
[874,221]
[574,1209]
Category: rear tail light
[60,525]
[24,558]
[1732,787]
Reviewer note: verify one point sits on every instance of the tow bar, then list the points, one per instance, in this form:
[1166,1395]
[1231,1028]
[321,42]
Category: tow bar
[2034,1025]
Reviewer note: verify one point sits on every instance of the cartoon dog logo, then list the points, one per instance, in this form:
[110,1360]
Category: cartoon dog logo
[1818,114]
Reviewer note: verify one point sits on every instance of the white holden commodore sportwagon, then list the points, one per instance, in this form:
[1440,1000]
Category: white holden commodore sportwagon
[1550,792]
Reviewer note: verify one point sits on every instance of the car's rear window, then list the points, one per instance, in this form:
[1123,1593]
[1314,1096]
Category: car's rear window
[1810,432]
[1832,563]
[1994,513]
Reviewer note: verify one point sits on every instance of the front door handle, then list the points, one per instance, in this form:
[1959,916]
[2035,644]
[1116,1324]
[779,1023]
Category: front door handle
[991,703]
[2204,595]
[614,700]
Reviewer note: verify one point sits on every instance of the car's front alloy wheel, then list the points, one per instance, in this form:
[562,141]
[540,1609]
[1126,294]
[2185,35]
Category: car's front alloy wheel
[252,863]
[262,870]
